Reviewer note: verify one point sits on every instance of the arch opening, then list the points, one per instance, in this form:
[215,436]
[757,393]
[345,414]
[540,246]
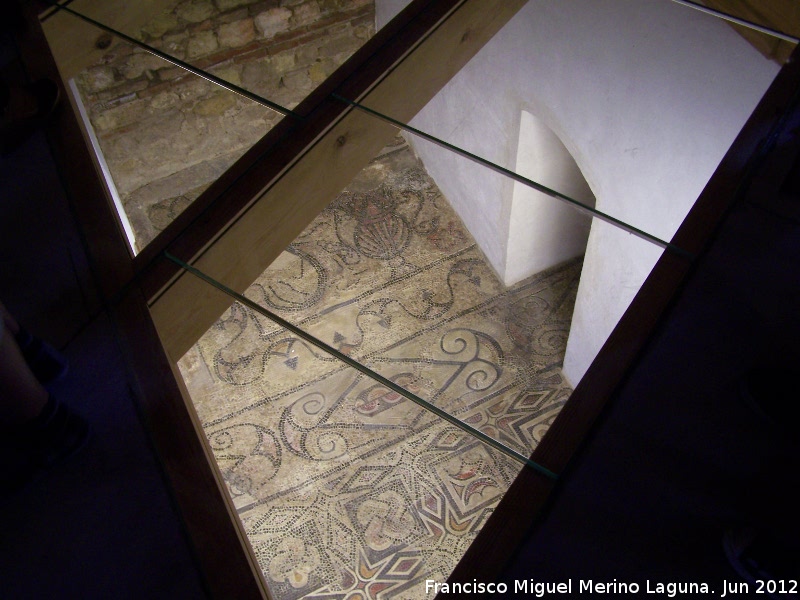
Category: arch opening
[543,231]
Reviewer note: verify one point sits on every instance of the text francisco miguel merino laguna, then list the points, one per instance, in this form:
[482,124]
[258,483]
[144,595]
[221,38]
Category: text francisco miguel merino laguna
[540,589]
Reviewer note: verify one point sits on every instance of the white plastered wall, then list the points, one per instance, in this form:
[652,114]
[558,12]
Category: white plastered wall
[647,96]
[543,232]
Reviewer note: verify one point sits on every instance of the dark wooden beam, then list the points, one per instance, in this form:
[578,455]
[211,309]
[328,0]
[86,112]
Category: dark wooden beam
[780,15]
[305,170]
[244,221]
[219,545]
[528,495]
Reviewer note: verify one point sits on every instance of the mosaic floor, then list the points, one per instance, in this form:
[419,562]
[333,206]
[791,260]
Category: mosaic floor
[346,489]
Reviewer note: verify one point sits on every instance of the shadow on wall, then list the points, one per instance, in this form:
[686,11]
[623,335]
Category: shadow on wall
[647,96]
[544,231]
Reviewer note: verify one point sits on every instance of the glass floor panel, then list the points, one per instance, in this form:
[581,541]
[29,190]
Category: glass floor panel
[167,134]
[303,440]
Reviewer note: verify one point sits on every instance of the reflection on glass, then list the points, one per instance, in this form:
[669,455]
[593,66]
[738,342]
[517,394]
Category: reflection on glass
[165,137]
[278,50]
[389,276]
[332,472]
[340,483]
[566,278]
[647,97]
[771,28]
[167,134]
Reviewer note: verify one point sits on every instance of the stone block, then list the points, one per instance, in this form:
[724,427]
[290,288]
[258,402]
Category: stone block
[285,61]
[201,44]
[230,73]
[119,116]
[273,21]
[306,54]
[164,101]
[238,33]
[97,78]
[234,15]
[195,11]
[260,77]
[216,105]
[224,5]
[139,62]
[193,89]
[305,14]
[321,69]
[175,48]
[160,24]
[364,32]
[298,81]
[287,98]
[342,45]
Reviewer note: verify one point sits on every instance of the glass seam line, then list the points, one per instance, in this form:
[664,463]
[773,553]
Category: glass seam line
[184,65]
[749,24]
[56,6]
[365,370]
[523,180]
[280,109]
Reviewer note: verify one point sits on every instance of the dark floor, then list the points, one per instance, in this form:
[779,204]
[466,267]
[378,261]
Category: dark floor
[677,460]
[103,525]
[680,458]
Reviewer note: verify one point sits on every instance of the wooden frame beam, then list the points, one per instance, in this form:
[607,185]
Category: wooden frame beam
[522,505]
[235,230]
[780,15]
[222,553]
[309,167]
[74,43]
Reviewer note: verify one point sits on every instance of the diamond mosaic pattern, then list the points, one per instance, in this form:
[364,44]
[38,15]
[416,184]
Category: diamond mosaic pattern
[347,489]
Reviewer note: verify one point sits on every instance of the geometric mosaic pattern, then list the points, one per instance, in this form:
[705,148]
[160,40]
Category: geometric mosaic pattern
[345,488]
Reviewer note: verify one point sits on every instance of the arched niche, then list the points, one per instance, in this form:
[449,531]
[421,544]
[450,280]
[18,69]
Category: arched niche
[544,231]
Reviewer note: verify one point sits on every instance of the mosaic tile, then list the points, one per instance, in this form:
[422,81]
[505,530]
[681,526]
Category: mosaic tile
[348,489]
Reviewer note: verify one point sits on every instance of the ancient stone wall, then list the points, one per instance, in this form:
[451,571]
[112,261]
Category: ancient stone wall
[167,134]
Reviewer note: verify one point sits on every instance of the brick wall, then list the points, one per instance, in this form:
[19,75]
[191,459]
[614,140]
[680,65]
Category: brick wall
[167,134]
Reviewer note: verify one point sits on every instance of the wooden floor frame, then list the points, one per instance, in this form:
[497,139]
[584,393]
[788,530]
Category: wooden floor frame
[284,181]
